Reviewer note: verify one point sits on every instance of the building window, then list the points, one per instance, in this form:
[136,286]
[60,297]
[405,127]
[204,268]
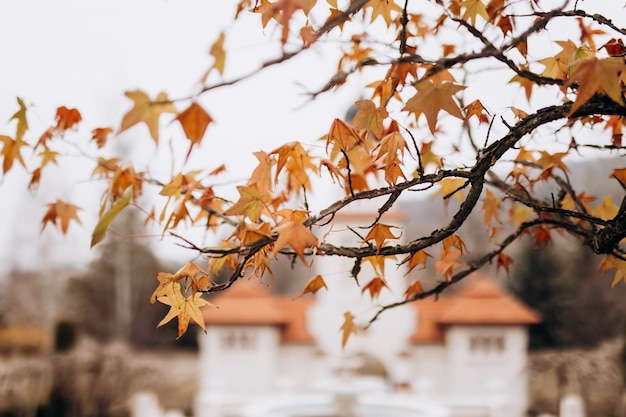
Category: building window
[240,340]
[487,345]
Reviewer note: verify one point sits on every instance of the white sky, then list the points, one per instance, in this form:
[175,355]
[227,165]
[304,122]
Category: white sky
[86,53]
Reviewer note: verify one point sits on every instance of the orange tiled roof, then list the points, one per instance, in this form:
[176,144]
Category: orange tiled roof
[248,302]
[481,302]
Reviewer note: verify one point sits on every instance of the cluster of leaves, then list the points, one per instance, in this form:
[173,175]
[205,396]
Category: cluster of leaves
[395,144]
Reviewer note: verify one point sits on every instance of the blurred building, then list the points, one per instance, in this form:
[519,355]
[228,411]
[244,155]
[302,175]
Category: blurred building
[466,352]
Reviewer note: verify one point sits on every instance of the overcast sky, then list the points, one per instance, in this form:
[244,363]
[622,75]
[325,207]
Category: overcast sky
[86,53]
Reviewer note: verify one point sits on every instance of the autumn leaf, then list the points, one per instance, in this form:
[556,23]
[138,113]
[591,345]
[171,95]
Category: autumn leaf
[453,241]
[374,287]
[452,187]
[100,135]
[67,118]
[146,111]
[100,231]
[473,9]
[413,290]
[448,263]
[369,117]
[347,328]
[556,66]
[218,52]
[418,258]
[491,206]
[383,8]
[61,214]
[431,99]
[11,152]
[610,262]
[342,134]
[503,261]
[597,76]
[20,117]
[198,277]
[314,285]
[194,121]
[607,209]
[379,234]
[185,308]
[250,203]
[296,235]
[165,287]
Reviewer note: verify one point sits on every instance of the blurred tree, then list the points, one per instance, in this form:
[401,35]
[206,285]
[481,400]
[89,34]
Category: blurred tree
[111,299]
[563,283]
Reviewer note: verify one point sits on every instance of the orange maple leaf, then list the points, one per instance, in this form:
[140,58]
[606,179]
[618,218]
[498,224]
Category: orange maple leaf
[194,121]
[61,212]
[418,258]
[597,76]
[431,98]
[380,233]
[369,117]
[100,135]
[67,118]
[314,285]
[296,235]
[448,262]
[374,287]
[413,290]
[504,261]
[146,111]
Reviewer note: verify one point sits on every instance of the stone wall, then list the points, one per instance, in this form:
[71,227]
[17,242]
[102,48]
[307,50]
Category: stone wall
[594,374]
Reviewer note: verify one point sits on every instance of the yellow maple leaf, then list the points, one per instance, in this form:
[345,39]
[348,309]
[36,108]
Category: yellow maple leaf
[383,8]
[146,111]
[347,328]
[250,204]
[610,262]
[61,212]
[556,66]
[296,235]
[20,117]
[473,9]
[491,205]
[380,233]
[11,152]
[452,187]
[184,308]
[217,51]
[369,117]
